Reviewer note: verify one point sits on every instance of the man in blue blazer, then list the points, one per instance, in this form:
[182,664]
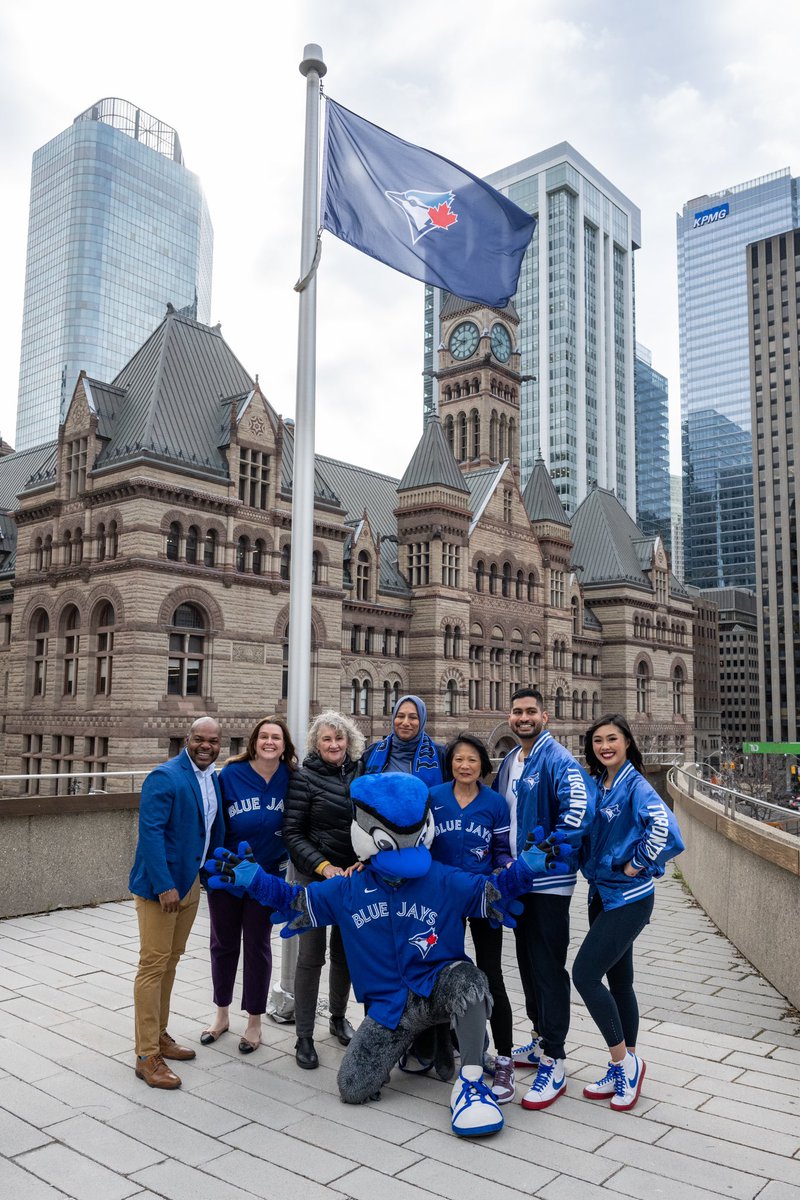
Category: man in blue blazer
[180,817]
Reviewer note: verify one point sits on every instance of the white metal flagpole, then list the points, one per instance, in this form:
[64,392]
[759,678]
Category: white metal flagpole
[281,1003]
[298,701]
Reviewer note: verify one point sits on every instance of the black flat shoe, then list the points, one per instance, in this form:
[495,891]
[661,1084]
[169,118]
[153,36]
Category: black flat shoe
[305,1054]
[207,1038]
[341,1029]
[247,1047]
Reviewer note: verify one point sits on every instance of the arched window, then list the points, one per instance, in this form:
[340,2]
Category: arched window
[387,699]
[449,430]
[112,541]
[37,556]
[512,434]
[534,664]
[576,615]
[187,651]
[316,567]
[480,572]
[492,579]
[286,560]
[359,697]
[584,706]
[457,642]
[68,547]
[362,575]
[210,549]
[678,698]
[192,543]
[101,542]
[506,581]
[462,437]
[501,445]
[493,436]
[531,587]
[576,706]
[519,592]
[259,555]
[448,641]
[47,553]
[77,547]
[71,625]
[475,421]
[40,626]
[642,688]
[174,542]
[560,703]
[242,553]
[595,705]
[451,699]
[106,619]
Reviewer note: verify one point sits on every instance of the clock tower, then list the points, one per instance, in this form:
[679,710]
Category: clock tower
[479,382]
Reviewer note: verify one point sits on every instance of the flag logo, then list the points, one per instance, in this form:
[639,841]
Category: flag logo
[425,211]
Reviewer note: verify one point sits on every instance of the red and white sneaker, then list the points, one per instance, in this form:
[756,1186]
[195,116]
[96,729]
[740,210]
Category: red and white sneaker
[529,1054]
[549,1084]
[604,1088]
[628,1076]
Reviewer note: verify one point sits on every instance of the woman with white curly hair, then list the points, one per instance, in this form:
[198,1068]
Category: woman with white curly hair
[316,831]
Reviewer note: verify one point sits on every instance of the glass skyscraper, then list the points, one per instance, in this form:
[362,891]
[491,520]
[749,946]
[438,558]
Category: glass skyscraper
[653,498]
[713,232]
[118,229]
[575,300]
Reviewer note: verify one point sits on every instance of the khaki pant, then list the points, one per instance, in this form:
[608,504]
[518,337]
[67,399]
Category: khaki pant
[162,940]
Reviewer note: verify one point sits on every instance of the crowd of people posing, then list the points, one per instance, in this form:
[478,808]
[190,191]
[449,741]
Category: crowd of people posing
[604,820]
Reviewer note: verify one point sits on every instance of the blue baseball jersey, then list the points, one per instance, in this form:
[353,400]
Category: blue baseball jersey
[253,811]
[632,824]
[398,936]
[474,838]
[554,792]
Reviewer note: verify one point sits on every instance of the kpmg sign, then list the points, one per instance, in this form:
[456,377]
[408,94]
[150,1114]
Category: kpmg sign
[710,215]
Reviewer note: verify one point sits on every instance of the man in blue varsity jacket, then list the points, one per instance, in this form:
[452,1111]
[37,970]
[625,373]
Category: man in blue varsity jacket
[545,788]
[402,923]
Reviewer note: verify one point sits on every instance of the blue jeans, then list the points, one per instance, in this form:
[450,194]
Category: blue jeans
[608,950]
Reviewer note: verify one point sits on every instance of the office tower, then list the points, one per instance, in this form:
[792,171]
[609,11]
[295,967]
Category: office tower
[774,307]
[118,229]
[575,301]
[651,409]
[676,511]
[713,233]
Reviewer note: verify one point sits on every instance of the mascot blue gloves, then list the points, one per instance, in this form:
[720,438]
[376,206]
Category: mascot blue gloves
[402,923]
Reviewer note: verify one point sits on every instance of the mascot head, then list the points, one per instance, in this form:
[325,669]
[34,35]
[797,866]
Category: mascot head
[392,824]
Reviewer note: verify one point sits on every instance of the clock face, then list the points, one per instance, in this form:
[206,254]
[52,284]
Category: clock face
[501,343]
[464,340]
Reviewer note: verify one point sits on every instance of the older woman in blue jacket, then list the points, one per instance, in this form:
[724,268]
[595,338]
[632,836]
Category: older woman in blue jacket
[632,837]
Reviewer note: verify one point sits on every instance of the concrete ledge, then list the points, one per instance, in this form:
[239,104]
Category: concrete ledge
[745,875]
[65,851]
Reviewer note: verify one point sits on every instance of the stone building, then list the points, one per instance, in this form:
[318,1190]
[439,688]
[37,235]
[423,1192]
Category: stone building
[145,570]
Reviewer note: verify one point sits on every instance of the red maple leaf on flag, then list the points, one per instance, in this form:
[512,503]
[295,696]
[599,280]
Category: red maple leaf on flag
[442,217]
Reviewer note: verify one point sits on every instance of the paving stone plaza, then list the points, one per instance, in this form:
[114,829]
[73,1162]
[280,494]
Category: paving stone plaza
[719,1113]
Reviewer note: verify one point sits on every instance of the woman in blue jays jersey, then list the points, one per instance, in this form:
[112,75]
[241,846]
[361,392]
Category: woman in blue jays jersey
[471,831]
[632,837]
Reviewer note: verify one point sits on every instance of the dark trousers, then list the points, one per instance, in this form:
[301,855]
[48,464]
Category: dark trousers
[542,936]
[239,921]
[608,950]
[488,943]
[310,961]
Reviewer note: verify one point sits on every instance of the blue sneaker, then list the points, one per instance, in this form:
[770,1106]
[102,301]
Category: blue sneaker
[528,1055]
[628,1076]
[549,1084]
[473,1109]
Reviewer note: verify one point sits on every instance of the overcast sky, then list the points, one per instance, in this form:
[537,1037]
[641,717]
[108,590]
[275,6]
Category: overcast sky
[669,101]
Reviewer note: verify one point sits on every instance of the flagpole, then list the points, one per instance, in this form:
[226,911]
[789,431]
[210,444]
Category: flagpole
[298,700]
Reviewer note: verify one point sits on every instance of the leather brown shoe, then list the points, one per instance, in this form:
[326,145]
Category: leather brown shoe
[155,1072]
[169,1048]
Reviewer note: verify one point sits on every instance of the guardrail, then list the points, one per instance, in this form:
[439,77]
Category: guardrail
[735,803]
[49,783]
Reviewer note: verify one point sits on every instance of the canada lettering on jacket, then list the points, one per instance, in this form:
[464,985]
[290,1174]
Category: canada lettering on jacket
[254,804]
[417,913]
[578,799]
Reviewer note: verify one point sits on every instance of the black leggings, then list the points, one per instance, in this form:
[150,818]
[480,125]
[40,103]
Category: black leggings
[608,950]
[488,943]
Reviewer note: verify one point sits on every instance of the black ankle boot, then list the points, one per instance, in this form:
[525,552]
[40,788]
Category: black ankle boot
[341,1029]
[305,1054]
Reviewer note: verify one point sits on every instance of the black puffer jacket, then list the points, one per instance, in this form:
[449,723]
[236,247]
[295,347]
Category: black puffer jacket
[318,814]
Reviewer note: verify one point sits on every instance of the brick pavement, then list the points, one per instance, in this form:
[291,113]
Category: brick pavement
[719,1112]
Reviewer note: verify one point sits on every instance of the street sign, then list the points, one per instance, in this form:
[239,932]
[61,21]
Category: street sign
[771,748]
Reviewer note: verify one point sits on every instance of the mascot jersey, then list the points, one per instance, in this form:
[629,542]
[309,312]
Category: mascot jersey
[474,838]
[398,936]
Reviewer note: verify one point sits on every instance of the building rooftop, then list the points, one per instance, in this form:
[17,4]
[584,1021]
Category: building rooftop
[717,1114]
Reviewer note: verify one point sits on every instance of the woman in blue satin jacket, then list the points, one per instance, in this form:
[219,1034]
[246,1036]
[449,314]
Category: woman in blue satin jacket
[631,839]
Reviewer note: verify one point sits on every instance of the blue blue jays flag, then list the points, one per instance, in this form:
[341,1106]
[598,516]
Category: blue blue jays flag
[420,213]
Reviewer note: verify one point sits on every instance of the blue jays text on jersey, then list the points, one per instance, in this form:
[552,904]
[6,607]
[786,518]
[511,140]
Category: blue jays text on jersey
[632,825]
[253,810]
[474,838]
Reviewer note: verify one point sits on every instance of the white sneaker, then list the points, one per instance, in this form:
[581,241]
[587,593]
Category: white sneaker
[604,1088]
[628,1076]
[474,1110]
[529,1054]
[549,1084]
[503,1088]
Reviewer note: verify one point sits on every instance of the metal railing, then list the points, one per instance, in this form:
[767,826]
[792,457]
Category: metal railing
[47,783]
[690,779]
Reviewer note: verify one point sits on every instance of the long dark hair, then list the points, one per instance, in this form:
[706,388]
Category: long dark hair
[475,743]
[289,756]
[633,753]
